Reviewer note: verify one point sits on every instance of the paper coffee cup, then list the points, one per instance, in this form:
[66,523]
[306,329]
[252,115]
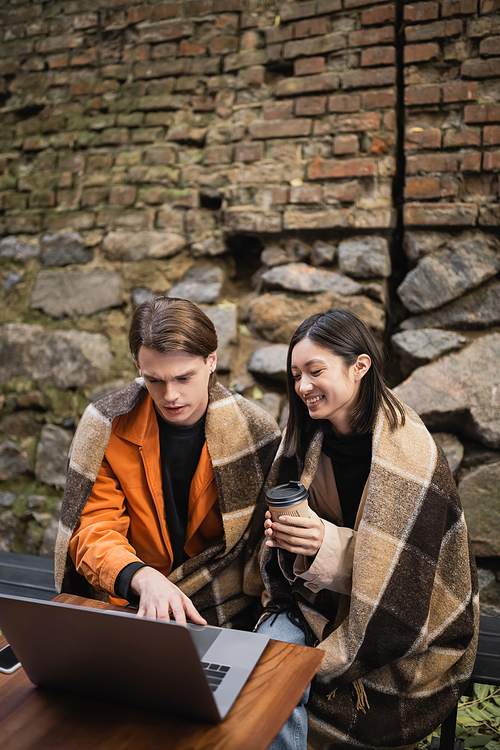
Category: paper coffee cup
[288,500]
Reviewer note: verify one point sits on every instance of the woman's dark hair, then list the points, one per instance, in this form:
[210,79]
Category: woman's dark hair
[165,324]
[344,334]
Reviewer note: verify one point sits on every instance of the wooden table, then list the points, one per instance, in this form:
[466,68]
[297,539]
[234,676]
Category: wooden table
[40,719]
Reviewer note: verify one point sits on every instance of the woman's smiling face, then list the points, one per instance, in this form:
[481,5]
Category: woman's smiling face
[328,388]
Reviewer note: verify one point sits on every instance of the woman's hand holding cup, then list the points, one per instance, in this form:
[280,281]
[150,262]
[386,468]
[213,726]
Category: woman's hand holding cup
[300,535]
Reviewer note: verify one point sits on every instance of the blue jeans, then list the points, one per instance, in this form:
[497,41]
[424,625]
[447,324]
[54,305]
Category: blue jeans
[293,735]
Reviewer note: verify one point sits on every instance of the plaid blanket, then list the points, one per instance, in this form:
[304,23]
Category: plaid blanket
[400,650]
[242,440]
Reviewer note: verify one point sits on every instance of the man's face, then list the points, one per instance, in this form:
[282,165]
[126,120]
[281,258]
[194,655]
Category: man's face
[177,382]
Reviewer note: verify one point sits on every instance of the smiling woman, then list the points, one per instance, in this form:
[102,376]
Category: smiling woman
[380,575]
[337,349]
[328,388]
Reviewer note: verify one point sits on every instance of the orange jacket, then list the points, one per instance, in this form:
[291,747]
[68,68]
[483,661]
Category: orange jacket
[124,518]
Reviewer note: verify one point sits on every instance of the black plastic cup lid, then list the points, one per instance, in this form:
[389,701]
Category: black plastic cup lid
[284,495]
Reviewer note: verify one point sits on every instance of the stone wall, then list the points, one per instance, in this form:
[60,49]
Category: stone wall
[266,160]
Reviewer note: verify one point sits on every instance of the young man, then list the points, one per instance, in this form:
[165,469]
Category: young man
[164,476]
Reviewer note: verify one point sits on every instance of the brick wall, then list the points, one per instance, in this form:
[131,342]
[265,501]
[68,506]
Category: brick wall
[119,114]
[127,115]
[452,113]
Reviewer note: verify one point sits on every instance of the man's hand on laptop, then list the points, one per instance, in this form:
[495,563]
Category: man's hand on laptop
[159,597]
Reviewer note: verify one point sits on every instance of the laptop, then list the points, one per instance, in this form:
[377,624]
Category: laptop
[195,671]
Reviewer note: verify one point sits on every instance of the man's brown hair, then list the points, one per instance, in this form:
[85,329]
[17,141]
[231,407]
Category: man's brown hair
[165,324]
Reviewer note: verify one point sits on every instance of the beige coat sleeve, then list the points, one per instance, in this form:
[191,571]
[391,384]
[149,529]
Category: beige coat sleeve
[331,568]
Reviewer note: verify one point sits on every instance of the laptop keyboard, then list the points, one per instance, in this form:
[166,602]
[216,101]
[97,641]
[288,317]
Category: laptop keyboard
[214,673]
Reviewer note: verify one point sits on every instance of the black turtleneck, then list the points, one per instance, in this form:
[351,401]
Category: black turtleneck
[180,450]
[351,458]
